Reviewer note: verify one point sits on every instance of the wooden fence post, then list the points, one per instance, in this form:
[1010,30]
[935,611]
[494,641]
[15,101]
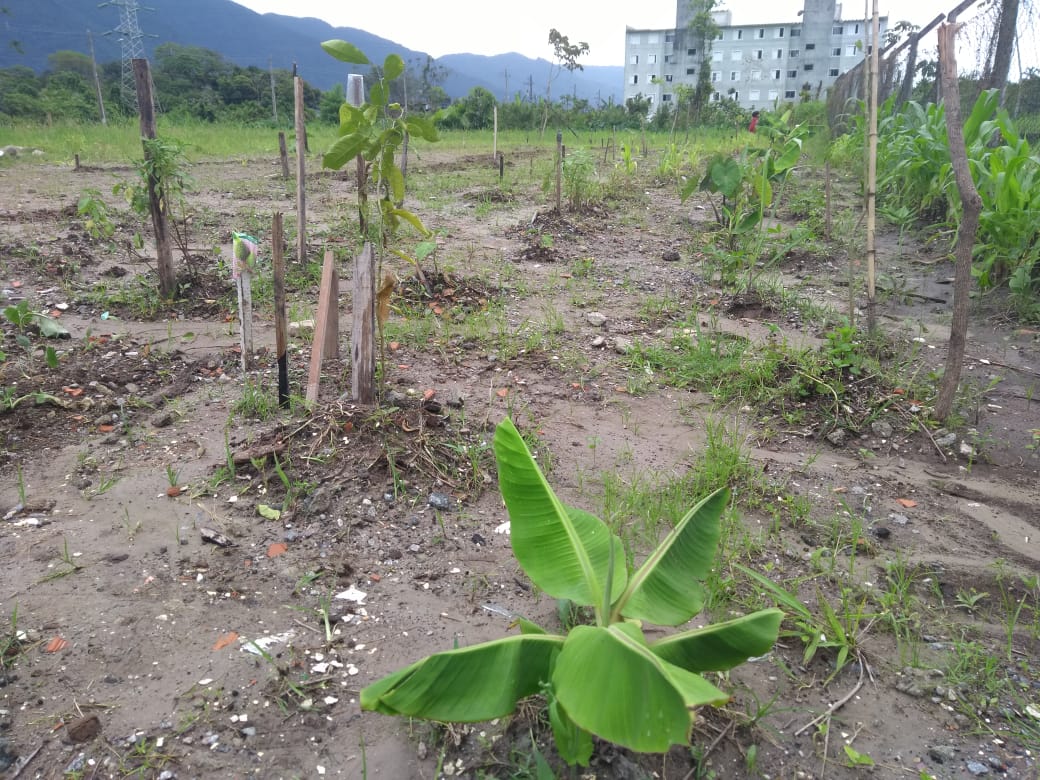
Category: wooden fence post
[326,329]
[281,326]
[163,245]
[283,155]
[363,332]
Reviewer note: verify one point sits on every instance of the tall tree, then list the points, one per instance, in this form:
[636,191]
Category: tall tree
[1002,47]
[565,56]
[703,30]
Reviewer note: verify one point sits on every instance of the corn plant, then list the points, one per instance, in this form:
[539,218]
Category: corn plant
[604,679]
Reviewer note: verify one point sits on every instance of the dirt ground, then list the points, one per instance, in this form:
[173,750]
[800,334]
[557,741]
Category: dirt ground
[162,633]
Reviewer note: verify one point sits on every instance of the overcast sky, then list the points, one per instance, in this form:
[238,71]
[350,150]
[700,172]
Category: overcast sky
[482,27]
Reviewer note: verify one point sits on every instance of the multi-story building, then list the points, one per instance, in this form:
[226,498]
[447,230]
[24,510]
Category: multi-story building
[756,65]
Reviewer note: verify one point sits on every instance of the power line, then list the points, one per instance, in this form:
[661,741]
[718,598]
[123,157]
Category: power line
[131,38]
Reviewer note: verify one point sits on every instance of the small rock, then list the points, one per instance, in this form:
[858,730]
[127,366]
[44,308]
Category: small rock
[161,419]
[977,768]
[881,429]
[7,756]
[942,753]
[899,519]
[414,548]
[946,440]
[967,450]
[599,341]
[882,533]
[249,731]
[421,751]
[837,437]
[596,319]
[84,729]
[671,256]
[478,539]
[622,345]
[440,501]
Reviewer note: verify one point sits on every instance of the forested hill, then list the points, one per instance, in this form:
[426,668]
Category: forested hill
[30,30]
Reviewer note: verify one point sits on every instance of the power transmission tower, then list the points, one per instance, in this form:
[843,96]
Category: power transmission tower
[131,37]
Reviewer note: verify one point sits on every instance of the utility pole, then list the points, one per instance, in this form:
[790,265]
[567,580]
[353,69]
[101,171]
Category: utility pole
[505,94]
[97,81]
[274,96]
[530,89]
[130,36]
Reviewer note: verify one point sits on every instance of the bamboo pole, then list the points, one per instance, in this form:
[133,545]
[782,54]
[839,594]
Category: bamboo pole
[301,174]
[559,170]
[356,96]
[281,325]
[872,129]
[363,332]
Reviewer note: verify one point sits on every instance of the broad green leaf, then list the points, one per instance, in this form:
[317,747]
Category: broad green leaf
[612,685]
[393,66]
[49,327]
[468,684]
[666,589]
[422,127]
[573,743]
[527,626]
[378,94]
[394,180]
[790,157]
[345,52]
[724,175]
[721,646]
[350,119]
[343,151]
[564,551]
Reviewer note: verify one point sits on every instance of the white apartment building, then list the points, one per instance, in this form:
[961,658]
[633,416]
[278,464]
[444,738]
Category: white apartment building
[757,65]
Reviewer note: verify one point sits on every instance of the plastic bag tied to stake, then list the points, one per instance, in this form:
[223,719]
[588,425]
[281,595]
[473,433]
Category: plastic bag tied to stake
[245,249]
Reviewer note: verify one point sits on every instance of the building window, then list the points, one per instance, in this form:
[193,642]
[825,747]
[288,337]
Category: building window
[691,71]
[779,32]
[734,75]
[776,75]
[716,97]
[810,46]
[793,53]
[735,55]
[779,54]
[669,59]
[832,72]
[715,76]
[716,56]
[837,30]
[756,75]
[633,60]
[650,99]
[653,78]
[635,39]
[836,52]
[870,49]
[635,78]
[652,38]
[789,94]
[855,28]
[666,98]
[792,74]
[669,37]
[796,32]
[761,32]
[807,66]
[758,54]
[753,95]
[651,59]
[691,52]
[668,78]
[850,51]
[773,94]
[740,34]
[719,36]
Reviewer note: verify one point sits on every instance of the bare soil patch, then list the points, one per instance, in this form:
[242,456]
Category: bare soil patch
[225,628]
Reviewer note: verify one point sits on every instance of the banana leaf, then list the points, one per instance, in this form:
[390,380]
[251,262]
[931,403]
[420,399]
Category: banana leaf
[721,646]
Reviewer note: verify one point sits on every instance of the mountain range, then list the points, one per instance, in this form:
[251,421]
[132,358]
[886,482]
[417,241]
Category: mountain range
[30,30]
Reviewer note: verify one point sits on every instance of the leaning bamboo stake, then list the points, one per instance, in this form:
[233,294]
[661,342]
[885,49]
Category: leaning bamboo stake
[971,205]
[301,174]
[281,325]
[872,125]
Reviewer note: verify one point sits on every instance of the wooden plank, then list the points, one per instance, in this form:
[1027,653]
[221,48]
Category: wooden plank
[331,348]
[363,332]
[301,174]
[326,300]
[281,324]
[163,244]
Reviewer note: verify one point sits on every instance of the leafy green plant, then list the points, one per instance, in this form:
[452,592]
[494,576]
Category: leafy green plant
[96,219]
[579,178]
[604,679]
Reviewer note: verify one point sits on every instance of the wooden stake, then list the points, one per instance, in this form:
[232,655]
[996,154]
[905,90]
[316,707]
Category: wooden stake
[363,333]
[326,302]
[494,135]
[245,314]
[163,245]
[283,155]
[301,174]
[356,96]
[281,325]
[872,140]
[559,170]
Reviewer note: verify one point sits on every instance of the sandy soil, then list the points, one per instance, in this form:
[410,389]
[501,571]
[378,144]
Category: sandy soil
[132,648]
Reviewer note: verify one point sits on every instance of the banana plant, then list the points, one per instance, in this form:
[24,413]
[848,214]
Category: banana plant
[607,679]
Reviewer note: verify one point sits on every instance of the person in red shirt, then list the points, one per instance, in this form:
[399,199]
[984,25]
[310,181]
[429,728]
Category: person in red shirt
[754,122]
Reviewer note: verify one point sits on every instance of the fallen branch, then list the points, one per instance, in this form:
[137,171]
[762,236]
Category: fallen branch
[838,704]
